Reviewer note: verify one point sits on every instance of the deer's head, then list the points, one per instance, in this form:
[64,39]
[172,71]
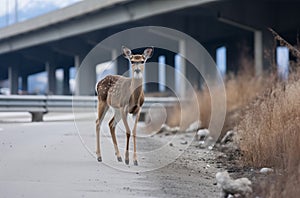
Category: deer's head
[137,61]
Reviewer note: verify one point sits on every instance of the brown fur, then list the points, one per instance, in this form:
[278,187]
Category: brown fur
[125,95]
[118,91]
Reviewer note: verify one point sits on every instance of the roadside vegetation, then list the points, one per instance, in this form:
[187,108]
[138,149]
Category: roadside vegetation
[265,113]
[269,132]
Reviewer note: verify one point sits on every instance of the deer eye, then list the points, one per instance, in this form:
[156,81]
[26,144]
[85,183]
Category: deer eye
[135,63]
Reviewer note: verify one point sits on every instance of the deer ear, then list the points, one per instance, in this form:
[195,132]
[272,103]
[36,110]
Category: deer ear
[148,52]
[126,52]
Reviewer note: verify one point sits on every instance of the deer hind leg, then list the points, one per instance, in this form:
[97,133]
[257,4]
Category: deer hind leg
[102,108]
[134,138]
[112,126]
[124,118]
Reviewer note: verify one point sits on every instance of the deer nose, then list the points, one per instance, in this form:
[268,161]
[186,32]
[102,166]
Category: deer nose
[137,71]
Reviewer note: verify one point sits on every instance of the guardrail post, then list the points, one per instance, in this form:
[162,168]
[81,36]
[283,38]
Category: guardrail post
[37,116]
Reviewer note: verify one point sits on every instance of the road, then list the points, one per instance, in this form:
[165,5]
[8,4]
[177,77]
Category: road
[49,159]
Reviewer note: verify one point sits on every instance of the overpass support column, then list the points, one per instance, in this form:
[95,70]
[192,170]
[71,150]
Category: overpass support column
[51,87]
[66,85]
[25,83]
[85,76]
[170,71]
[180,84]
[13,77]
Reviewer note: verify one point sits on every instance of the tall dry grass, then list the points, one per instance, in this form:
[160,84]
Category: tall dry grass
[269,132]
[241,89]
[270,127]
[270,136]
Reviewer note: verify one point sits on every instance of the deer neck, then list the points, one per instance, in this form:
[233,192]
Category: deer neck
[136,87]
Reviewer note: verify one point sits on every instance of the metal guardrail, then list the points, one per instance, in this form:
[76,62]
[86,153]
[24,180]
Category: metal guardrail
[40,105]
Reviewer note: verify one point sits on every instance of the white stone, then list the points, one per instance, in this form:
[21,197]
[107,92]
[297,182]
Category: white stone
[241,186]
[202,133]
[228,137]
[266,170]
[166,127]
[194,126]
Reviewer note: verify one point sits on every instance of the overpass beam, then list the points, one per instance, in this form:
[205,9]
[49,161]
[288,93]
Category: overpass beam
[13,78]
[258,42]
[51,78]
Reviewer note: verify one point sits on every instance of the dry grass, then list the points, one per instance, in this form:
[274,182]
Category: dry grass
[270,136]
[240,90]
[184,113]
[269,133]
[270,127]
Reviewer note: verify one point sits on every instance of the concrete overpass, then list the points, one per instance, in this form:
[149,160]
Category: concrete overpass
[62,38]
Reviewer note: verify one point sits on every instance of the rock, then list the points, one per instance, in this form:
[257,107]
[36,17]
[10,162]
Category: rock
[167,128]
[183,142]
[194,126]
[238,187]
[202,134]
[228,137]
[266,170]
[229,148]
[201,144]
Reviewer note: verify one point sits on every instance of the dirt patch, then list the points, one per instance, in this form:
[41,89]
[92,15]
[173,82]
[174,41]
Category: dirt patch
[190,175]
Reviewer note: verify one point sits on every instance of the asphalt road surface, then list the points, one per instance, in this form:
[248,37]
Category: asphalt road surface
[50,159]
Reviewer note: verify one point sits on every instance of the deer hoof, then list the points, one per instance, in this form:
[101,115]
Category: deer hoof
[119,159]
[126,161]
[99,159]
[135,162]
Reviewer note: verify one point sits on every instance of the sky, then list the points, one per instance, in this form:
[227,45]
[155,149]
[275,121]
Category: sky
[27,6]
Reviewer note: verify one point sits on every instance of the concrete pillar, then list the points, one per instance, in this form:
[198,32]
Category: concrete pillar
[51,87]
[77,62]
[181,88]
[258,52]
[170,71]
[25,83]
[66,85]
[13,75]
[85,76]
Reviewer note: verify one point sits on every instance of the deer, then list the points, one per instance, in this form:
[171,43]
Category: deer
[126,96]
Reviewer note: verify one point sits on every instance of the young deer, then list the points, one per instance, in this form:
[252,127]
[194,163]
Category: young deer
[124,95]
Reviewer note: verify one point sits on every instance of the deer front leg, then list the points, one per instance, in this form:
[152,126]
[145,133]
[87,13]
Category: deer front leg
[134,138]
[102,108]
[124,118]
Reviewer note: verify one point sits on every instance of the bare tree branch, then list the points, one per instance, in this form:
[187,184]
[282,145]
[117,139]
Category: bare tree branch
[283,42]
